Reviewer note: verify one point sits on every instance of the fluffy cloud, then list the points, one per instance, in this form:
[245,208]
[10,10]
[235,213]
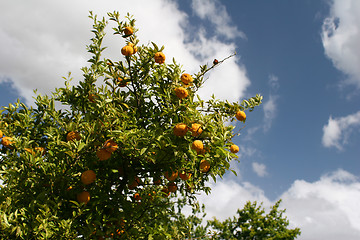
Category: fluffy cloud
[324,209]
[42,41]
[216,13]
[259,169]
[327,208]
[336,133]
[341,36]
[227,196]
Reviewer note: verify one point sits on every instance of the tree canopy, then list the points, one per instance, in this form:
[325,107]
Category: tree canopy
[130,145]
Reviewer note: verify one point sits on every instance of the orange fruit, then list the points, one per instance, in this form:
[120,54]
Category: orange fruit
[181,92]
[159,57]
[234,148]
[128,31]
[83,197]
[88,177]
[134,47]
[198,146]
[110,146]
[119,232]
[137,197]
[172,176]
[102,154]
[172,187]
[241,116]
[92,97]
[7,141]
[1,134]
[186,78]
[121,82]
[180,129]
[204,166]
[127,50]
[71,136]
[196,129]
[184,175]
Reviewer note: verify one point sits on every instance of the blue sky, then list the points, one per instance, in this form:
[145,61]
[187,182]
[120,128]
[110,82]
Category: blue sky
[301,145]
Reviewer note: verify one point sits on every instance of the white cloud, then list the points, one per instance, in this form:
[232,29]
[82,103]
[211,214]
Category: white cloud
[341,36]
[325,209]
[216,13]
[42,41]
[227,196]
[270,110]
[259,169]
[337,132]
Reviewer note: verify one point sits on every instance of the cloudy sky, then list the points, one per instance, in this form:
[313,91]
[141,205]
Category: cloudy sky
[301,145]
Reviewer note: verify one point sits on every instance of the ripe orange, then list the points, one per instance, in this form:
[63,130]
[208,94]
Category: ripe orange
[7,141]
[127,50]
[198,146]
[241,116]
[181,92]
[204,166]
[121,82]
[71,136]
[134,47]
[119,232]
[137,197]
[186,78]
[83,197]
[196,129]
[159,57]
[234,148]
[180,129]
[110,146]
[1,134]
[92,97]
[184,175]
[88,177]
[171,177]
[102,154]
[172,187]
[128,31]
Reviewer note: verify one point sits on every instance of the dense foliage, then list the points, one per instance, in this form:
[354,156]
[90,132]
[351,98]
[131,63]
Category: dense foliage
[251,223]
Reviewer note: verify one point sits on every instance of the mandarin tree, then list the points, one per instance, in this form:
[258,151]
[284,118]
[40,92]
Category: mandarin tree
[110,163]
